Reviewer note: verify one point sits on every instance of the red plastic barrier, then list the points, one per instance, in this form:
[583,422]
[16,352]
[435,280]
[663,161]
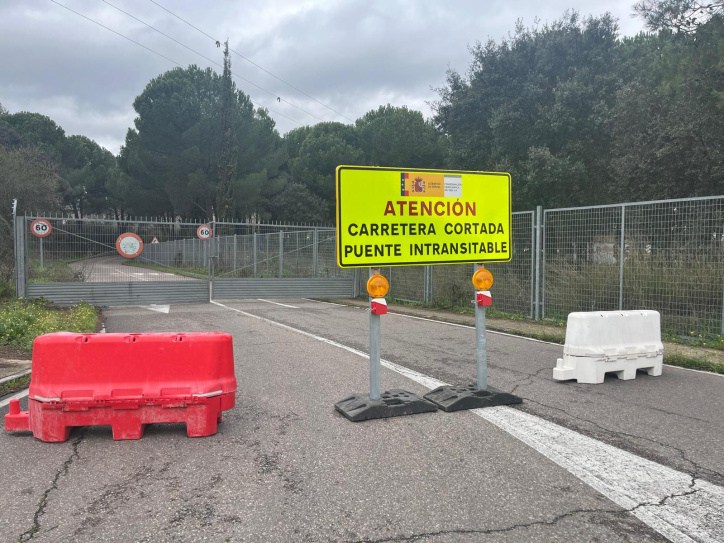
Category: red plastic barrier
[127,381]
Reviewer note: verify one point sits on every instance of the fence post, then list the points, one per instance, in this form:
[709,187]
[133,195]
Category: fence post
[427,285]
[532,264]
[620,258]
[21,270]
[722,311]
[538,252]
[234,253]
[281,253]
[253,251]
[315,252]
[358,279]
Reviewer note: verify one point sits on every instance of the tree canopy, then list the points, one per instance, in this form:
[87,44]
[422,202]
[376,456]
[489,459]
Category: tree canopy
[577,114]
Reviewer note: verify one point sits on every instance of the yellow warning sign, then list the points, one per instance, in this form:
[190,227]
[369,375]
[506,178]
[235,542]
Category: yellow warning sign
[400,217]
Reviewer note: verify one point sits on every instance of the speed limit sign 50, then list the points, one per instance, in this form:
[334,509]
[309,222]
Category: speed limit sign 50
[204,231]
[41,227]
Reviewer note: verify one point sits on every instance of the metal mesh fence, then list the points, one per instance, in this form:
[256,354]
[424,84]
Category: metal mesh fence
[666,256]
[85,251]
[513,288]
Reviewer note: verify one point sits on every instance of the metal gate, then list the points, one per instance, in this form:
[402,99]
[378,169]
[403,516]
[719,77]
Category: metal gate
[66,260]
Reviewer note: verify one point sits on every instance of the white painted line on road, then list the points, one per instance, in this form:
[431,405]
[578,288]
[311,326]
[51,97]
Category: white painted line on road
[159,308]
[277,303]
[674,504]
[17,396]
[331,303]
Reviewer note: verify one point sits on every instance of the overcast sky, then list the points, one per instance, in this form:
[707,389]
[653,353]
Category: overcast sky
[351,55]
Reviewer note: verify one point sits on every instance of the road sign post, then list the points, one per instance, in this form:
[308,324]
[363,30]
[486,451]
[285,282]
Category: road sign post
[377,404]
[375,368]
[474,396]
[481,347]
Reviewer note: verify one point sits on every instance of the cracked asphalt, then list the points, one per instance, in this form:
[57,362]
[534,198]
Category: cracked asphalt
[286,467]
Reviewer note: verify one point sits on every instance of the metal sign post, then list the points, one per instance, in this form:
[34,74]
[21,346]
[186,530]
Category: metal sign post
[474,396]
[481,344]
[374,348]
[377,404]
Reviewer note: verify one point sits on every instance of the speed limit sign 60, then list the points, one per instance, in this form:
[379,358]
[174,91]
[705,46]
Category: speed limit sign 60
[41,227]
[204,232]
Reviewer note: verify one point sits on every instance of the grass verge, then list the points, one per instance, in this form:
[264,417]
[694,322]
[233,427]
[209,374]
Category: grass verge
[21,321]
[693,363]
[53,271]
[14,385]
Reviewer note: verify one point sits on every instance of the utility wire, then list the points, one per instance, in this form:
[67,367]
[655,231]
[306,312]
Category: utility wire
[255,64]
[238,76]
[152,51]
[270,73]
[214,62]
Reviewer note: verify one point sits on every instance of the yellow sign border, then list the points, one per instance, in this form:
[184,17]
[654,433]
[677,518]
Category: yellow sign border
[338,216]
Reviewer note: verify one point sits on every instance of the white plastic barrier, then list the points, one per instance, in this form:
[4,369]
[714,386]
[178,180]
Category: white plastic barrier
[619,342]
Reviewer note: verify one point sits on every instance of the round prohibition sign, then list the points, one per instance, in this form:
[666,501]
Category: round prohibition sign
[41,228]
[129,245]
[204,232]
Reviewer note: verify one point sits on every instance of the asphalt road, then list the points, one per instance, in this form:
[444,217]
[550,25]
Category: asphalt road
[112,269]
[286,467]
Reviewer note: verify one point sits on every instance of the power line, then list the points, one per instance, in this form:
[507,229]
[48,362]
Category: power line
[255,64]
[152,51]
[273,75]
[214,62]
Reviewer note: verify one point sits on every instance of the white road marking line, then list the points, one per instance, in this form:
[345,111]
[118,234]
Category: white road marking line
[674,504]
[277,303]
[330,303]
[17,396]
[159,308]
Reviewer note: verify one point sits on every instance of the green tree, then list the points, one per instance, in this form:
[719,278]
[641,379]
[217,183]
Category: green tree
[178,140]
[681,16]
[326,146]
[39,131]
[544,92]
[668,123]
[86,171]
[26,173]
[398,136]
[297,204]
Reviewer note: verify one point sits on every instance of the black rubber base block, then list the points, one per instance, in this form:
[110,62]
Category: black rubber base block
[457,398]
[392,403]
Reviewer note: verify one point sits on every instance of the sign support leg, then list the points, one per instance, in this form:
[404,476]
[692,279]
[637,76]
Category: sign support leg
[377,404]
[41,254]
[374,351]
[478,395]
[374,357]
[481,348]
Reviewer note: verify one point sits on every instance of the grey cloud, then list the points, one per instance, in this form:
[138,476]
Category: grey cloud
[352,55]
